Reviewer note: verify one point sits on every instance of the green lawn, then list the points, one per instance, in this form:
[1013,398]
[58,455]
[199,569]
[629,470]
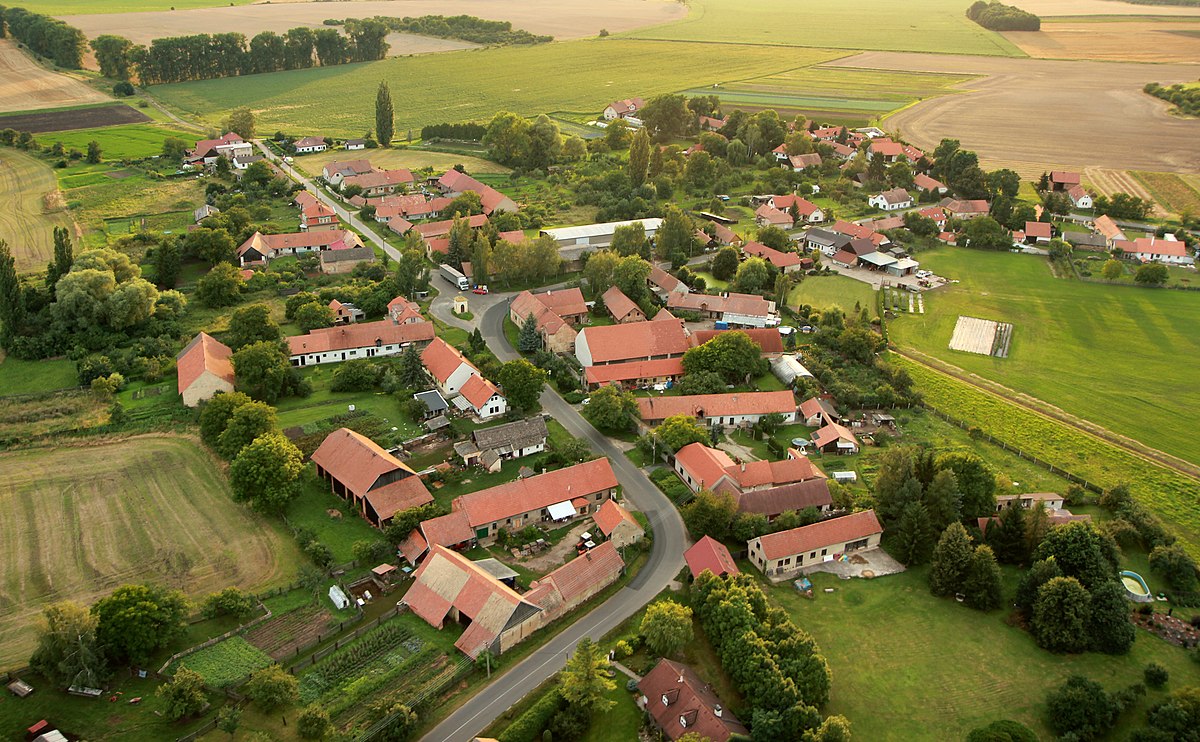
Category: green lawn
[1121,357]
[311,510]
[907,665]
[823,292]
[440,87]
[130,141]
[27,377]
[323,404]
[923,26]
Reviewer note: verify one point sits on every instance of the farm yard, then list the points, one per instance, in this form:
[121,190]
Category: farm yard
[1012,116]
[940,669]
[927,26]
[1065,326]
[560,20]
[32,209]
[25,85]
[1109,38]
[338,101]
[121,508]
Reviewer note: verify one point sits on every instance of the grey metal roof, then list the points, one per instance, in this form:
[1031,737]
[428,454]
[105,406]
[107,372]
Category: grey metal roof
[432,400]
[512,436]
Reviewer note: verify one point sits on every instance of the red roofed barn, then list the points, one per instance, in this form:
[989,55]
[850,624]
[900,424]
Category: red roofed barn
[789,551]
[377,483]
[204,369]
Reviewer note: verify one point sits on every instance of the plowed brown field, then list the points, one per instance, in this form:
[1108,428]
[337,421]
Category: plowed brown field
[81,521]
[27,86]
[1046,8]
[1036,114]
[1127,41]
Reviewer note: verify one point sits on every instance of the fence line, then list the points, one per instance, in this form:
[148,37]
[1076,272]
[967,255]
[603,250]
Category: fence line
[340,642]
[217,639]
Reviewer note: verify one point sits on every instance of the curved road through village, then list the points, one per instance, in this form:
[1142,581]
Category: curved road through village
[670,537]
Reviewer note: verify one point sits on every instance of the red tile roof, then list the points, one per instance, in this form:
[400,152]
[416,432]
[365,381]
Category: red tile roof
[380,178]
[1152,246]
[717,405]
[832,432]
[610,515]
[1038,229]
[442,228]
[633,370]
[845,257]
[811,493]
[858,231]
[959,206]
[442,359]
[370,472]
[804,207]
[580,577]
[297,240]
[820,535]
[478,391]
[1107,227]
[534,493]
[886,147]
[926,183]
[778,259]
[360,335]
[563,302]
[1064,177]
[732,303]
[787,471]
[204,353]
[310,142]
[710,554]
[347,167]
[636,340]
[628,105]
[618,304]
[767,339]
[706,465]
[664,280]
[773,216]
[690,705]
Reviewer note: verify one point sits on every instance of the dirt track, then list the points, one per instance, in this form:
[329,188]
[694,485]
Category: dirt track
[1126,41]
[27,86]
[1033,115]
[561,20]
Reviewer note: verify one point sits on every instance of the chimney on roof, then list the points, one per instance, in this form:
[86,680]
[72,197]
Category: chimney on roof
[680,678]
[743,466]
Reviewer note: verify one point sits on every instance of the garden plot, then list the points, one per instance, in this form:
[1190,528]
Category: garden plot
[284,635]
[984,337]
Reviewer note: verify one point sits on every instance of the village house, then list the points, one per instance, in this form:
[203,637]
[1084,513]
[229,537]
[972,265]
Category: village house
[801,209]
[769,216]
[617,524]
[724,235]
[708,123]
[835,438]
[859,232]
[829,243]
[720,410]
[738,310]
[404,312]
[433,230]
[454,183]
[447,365]
[710,555]
[679,703]
[379,182]
[482,397]
[308,145]
[1086,241]
[345,313]
[260,248]
[208,151]
[490,447]
[1063,180]
[767,488]
[452,531]
[799,163]
[621,307]
[375,482]
[564,589]
[931,186]
[1039,233]
[597,236]
[558,336]
[335,172]
[361,340]
[936,213]
[343,261]
[1051,500]
[204,369]
[816,412]
[1105,226]
[316,216]
[896,198]
[663,284]
[786,262]
[787,552]
[1080,198]
[635,374]
[636,341]
[355,144]
[555,496]
[963,210]
[241,163]
[768,339]
[1167,250]
[624,108]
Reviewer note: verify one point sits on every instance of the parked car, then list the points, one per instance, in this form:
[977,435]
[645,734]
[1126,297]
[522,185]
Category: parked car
[481,290]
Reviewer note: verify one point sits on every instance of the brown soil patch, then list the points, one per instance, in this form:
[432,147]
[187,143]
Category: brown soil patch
[1046,8]
[27,86]
[1128,41]
[558,19]
[1034,115]
[79,118]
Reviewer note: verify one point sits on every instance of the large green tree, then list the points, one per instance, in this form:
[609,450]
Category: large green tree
[385,115]
[266,473]
[67,652]
[677,431]
[710,514]
[167,260]
[752,275]
[1108,624]
[529,340]
[184,696]
[976,482]
[982,586]
[612,408]
[135,621]
[951,561]
[248,421]
[667,627]
[261,370]
[12,295]
[1081,551]
[216,413]
[584,681]
[1060,616]
[250,325]
[639,157]
[1080,709]
[522,382]
[64,257]
[732,355]
[914,537]
[725,263]
[220,287]
[272,688]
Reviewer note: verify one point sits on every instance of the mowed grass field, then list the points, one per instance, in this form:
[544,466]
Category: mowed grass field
[581,76]
[1123,358]
[909,666]
[921,26]
[823,292]
[81,521]
[856,93]
[400,158]
[25,223]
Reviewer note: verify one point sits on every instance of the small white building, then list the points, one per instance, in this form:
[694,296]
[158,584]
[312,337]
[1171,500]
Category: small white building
[896,198]
[309,145]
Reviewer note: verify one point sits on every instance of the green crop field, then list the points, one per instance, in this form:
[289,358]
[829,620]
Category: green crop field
[1174,496]
[907,665]
[26,188]
[130,141]
[428,89]
[116,511]
[1121,357]
[923,26]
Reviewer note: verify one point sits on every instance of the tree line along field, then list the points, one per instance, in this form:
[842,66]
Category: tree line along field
[81,521]
[32,209]
[576,76]
[1123,358]
[922,26]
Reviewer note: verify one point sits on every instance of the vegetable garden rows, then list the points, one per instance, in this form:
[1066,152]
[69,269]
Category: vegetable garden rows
[226,663]
[1172,495]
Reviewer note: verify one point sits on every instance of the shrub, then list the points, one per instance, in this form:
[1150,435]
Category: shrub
[1156,675]
[313,722]
[529,726]
[272,687]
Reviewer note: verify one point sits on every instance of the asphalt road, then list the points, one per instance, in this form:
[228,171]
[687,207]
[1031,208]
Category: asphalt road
[666,559]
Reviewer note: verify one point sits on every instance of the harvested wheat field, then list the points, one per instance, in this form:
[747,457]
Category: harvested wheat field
[1034,114]
[81,521]
[1049,8]
[32,209]
[558,19]
[1122,41]
[27,86]
[400,158]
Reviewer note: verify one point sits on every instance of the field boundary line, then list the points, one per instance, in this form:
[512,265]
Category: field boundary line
[1049,411]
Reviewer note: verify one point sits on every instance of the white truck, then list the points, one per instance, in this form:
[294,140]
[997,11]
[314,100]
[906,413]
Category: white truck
[455,277]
